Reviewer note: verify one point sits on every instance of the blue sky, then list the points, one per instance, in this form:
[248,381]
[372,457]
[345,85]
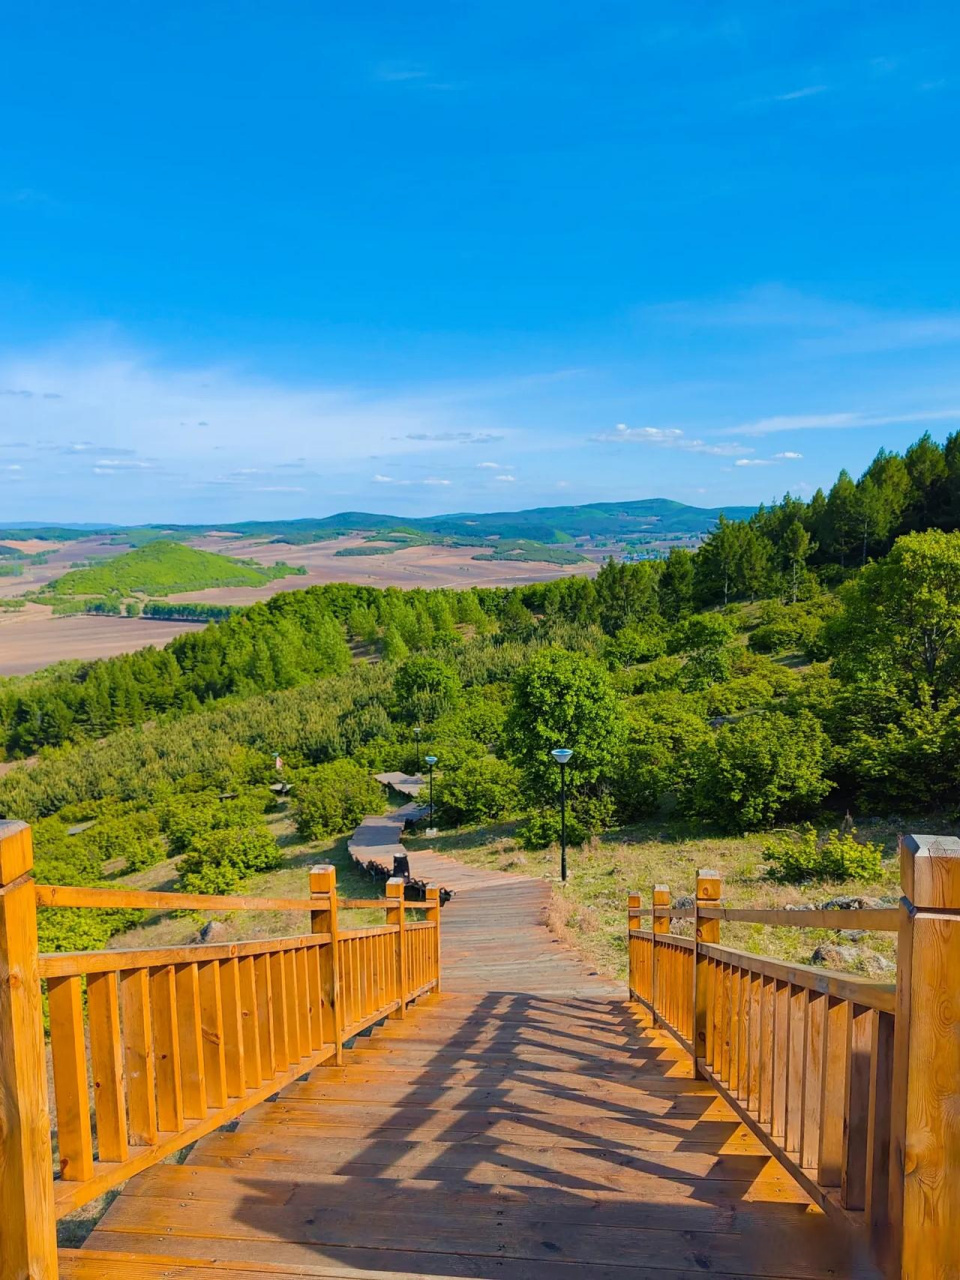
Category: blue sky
[287,259]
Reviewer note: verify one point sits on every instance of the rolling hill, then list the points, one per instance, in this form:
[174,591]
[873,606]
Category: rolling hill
[161,568]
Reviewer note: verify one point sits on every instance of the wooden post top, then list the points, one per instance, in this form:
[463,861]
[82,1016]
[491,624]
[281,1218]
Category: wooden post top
[708,885]
[395,887]
[930,871]
[635,900]
[323,878]
[16,850]
[433,892]
[661,895]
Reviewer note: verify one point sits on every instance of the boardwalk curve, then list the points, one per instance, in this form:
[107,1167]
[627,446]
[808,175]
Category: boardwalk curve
[525,1123]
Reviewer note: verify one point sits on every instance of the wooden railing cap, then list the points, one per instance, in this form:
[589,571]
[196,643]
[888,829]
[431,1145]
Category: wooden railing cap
[930,870]
[16,850]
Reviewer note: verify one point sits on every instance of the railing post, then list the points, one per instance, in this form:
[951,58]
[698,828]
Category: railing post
[708,895]
[661,924]
[433,914]
[396,915]
[323,883]
[634,903]
[925,1160]
[28,1234]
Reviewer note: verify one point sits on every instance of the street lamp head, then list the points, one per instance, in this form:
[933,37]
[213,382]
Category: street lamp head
[417,731]
[431,760]
[561,755]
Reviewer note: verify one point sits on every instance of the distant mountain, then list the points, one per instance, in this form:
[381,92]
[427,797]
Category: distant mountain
[540,524]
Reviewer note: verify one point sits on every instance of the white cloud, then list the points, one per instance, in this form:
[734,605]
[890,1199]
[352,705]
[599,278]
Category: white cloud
[669,438]
[435,480]
[754,462]
[279,488]
[489,466]
[506,479]
[126,464]
[788,454]
[819,421]
[11,466]
[808,91]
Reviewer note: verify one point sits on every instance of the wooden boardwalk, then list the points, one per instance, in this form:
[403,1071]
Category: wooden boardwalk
[526,1123]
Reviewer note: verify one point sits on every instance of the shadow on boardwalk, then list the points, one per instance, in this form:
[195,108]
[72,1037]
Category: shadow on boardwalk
[526,1123]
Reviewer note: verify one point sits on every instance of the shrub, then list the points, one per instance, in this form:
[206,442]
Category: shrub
[334,797]
[664,731]
[482,790]
[760,768]
[542,829]
[837,857]
[220,860]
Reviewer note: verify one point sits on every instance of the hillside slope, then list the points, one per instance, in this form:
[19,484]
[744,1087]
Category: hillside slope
[160,568]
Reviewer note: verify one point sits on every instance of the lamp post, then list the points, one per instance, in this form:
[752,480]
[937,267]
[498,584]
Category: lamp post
[431,761]
[562,756]
[416,739]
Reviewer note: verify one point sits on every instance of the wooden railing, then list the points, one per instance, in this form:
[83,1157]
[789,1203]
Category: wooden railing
[854,1085]
[153,1048]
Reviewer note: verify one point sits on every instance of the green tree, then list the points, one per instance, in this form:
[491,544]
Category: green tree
[796,548]
[759,769]
[334,797]
[483,789]
[900,620]
[842,516]
[425,687]
[675,587]
[563,699]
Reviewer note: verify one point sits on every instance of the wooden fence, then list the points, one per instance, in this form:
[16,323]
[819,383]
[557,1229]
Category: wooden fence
[152,1049]
[853,1085]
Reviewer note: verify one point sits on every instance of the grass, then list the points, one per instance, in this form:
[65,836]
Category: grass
[290,880]
[590,911]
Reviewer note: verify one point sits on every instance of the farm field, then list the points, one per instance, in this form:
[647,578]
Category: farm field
[32,637]
[429,566]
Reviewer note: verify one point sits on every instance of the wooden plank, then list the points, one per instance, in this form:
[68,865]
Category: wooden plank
[781,1057]
[873,919]
[853,1182]
[249,1021]
[813,1080]
[756,1042]
[292,987]
[138,1059]
[796,1089]
[106,1063]
[278,984]
[166,1044]
[29,1245]
[879,1131]
[833,1084]
[193,1080]
[72,1195]
[53,895]
[768,1024]
[74,1135]
[233,1040]
[64,964]
[306,1003]
[325,920]
[844,986]
[265,1017]
[930,1137]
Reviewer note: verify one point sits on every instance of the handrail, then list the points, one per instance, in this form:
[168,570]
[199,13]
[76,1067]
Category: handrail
[854,1085]
[154,1047]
